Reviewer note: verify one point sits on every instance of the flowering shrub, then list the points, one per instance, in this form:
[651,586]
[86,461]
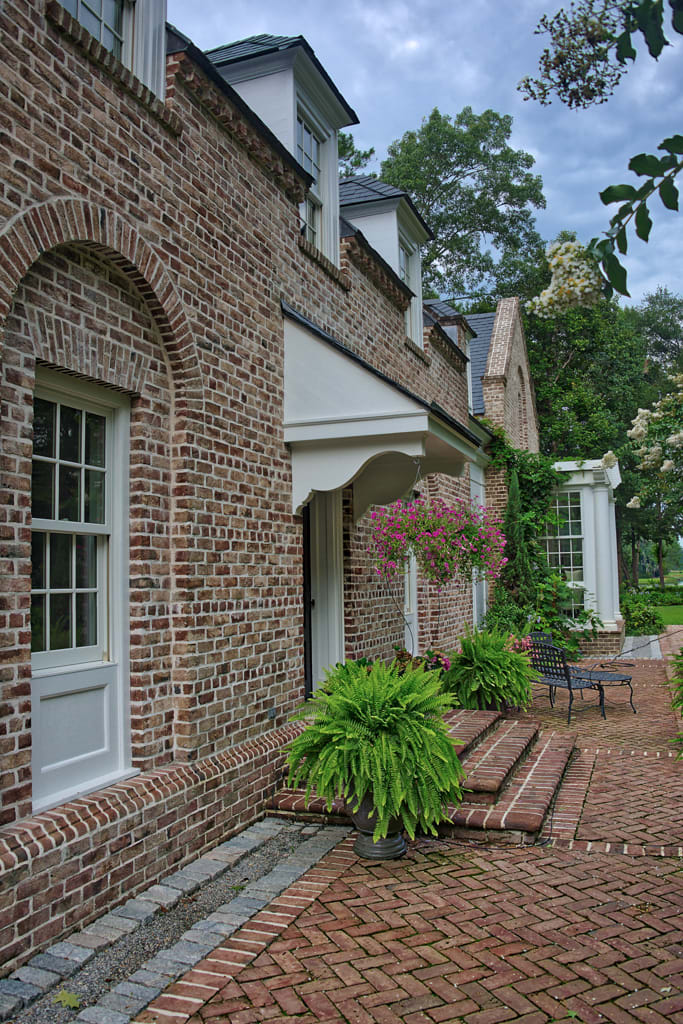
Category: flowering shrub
[430,660]
[576,281]
[447,540]
[520,644]
[658,432]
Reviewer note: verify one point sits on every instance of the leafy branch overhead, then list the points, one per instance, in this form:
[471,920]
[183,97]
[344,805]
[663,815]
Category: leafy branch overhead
[590,45]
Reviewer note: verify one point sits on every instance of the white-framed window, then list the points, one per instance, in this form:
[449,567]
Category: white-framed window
[104,19]
[135,32]
[71,510]
[309,154]
[79,588]
[564,544]
[409,271]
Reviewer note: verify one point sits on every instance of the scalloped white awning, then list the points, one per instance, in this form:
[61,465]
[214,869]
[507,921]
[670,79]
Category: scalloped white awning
[347,424]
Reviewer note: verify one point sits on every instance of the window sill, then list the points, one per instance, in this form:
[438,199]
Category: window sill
[103,58]
[328,266]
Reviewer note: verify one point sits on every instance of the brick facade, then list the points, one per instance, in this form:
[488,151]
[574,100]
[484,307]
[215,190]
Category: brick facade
[146,248]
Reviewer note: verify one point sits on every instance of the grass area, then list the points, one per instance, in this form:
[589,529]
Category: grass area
[672,614]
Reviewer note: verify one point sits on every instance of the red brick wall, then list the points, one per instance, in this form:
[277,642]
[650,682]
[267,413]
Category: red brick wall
[147,247]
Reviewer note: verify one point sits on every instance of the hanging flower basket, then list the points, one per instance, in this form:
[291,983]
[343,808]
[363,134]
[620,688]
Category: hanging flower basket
[448,540]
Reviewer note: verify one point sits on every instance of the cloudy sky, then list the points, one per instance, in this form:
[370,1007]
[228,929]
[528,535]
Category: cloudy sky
[394,61]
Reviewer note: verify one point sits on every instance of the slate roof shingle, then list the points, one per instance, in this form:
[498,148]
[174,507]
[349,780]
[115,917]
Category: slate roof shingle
[363,188]
[261,45]
[482,325]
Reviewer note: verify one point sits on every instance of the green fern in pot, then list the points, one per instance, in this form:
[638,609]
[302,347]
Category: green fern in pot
[378,736]
[488,672]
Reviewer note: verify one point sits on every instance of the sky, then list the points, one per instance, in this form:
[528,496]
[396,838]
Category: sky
[395,61]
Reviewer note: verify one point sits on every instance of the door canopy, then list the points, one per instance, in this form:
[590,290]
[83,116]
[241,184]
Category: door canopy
[346,423]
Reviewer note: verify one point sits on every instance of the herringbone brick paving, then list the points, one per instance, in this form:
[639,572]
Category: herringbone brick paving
[452,933]
[459,933]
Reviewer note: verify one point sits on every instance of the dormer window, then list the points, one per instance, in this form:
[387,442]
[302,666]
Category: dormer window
[308,152]
[134,32]
[283,81]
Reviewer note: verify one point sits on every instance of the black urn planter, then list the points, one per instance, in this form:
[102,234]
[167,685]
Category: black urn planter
[389,848]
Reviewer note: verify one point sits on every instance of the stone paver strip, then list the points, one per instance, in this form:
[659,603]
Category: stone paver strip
[63,959]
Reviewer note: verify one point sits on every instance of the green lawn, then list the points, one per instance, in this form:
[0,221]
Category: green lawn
[672,614]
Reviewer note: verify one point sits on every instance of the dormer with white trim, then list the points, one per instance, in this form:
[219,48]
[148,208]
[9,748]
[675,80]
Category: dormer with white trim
[392,225]
[284,83]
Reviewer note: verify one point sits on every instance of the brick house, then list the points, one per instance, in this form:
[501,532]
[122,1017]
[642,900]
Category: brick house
[208,377]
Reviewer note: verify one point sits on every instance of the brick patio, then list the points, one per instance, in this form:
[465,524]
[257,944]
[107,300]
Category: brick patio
[587,925]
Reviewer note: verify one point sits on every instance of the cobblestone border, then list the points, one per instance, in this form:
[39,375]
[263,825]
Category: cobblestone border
[47,970]
[183,999]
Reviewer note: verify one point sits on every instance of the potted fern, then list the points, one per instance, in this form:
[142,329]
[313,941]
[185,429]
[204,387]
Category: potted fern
[491,670]
[377,738]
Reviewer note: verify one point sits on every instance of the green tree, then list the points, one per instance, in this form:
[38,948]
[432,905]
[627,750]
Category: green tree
[589,48]
[588,367]
[475,192]
[660,318]
[351,159]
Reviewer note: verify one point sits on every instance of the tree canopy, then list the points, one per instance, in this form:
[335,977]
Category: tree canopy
[590,45]
[351,159]
[476,193]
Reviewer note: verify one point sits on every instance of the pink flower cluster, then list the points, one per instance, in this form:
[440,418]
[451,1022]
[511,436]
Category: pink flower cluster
[520,644]
[447,540]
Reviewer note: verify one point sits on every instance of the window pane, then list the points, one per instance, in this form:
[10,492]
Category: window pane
[60,622]
[86,562]
[38,622]
[95,436]
[86,620]
[69,494]
[43,490]
[38,561]
[60,561]
[111,13]
[70,434]
[94,496]
[43,428]
[89,21]
[70,5]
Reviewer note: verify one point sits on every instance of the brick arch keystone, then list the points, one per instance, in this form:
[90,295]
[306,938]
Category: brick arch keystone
[42,227]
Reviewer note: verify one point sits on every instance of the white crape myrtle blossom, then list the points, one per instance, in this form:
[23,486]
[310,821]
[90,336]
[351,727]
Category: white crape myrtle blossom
[576,281]
[609,459]
[659,433]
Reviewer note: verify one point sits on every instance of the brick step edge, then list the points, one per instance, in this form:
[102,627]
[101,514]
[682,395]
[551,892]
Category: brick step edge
[470,728]
[490,768]
[527,800]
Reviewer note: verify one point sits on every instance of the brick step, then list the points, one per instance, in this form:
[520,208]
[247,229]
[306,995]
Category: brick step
[506,761]
[521,810]
[490,766]
[470,728]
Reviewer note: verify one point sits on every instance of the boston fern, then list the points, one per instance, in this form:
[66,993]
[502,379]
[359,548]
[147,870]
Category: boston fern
[488,673]
[379,733]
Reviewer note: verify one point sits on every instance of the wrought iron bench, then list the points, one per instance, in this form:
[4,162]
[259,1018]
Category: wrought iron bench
[551,664]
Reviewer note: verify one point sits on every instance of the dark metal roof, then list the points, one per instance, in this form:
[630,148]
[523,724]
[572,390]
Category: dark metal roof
[482,326]
[261,46]
[363,188]
[482,323]
[432,407]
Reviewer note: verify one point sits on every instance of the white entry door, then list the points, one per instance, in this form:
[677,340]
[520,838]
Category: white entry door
[326,583]
[79,572]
